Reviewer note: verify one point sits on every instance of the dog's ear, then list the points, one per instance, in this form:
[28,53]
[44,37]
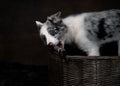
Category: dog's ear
[55,17]
[58,14]
[39,24]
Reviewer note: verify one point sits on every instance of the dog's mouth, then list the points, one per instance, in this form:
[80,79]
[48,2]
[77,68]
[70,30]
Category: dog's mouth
[52,45]
[60,44]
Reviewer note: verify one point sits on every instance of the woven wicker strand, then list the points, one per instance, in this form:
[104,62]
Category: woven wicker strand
[84,71]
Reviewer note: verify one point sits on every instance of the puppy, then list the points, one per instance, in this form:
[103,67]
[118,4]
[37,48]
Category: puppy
[87,30]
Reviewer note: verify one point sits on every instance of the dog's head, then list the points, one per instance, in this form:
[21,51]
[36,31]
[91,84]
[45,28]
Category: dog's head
[53,30]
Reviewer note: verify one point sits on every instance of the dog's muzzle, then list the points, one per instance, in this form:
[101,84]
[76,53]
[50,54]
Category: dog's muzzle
[50,45]
[53,47]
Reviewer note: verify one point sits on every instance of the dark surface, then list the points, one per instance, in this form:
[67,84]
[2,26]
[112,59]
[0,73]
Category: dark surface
[14,74]
[19,37]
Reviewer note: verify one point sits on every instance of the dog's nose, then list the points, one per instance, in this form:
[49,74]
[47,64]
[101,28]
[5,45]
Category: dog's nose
[51,45]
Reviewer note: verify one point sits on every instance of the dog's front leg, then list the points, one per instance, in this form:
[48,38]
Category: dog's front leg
[93,52]
[60,49]
[92,49]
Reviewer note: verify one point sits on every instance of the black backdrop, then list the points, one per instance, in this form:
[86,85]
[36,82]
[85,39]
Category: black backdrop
[19,37]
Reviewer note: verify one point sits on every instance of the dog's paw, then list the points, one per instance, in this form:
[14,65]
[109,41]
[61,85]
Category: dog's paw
[62,53]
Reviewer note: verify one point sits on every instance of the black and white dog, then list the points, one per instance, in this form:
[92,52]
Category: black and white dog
[87,30]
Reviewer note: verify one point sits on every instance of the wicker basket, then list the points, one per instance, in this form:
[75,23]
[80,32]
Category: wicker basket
[84,71]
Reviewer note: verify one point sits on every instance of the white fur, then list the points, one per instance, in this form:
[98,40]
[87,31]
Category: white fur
[77,33]
[38,23]
[49,37]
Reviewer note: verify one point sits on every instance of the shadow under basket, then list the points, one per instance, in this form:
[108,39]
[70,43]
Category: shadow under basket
[84,71]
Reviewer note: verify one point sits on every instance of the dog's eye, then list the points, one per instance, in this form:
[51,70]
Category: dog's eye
[52,31]
[49,28]
[56,29]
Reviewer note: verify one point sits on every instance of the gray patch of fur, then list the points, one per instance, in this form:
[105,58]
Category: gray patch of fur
[56,26]
[103,25]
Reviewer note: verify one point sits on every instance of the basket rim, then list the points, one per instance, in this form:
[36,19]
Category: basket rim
[77,57]
[93,57]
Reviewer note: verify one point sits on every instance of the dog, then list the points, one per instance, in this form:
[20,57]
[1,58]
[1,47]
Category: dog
[87,30]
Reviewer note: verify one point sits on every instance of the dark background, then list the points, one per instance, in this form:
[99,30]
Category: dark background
[19,37]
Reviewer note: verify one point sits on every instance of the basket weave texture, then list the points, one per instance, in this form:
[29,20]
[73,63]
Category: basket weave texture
[84,71]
